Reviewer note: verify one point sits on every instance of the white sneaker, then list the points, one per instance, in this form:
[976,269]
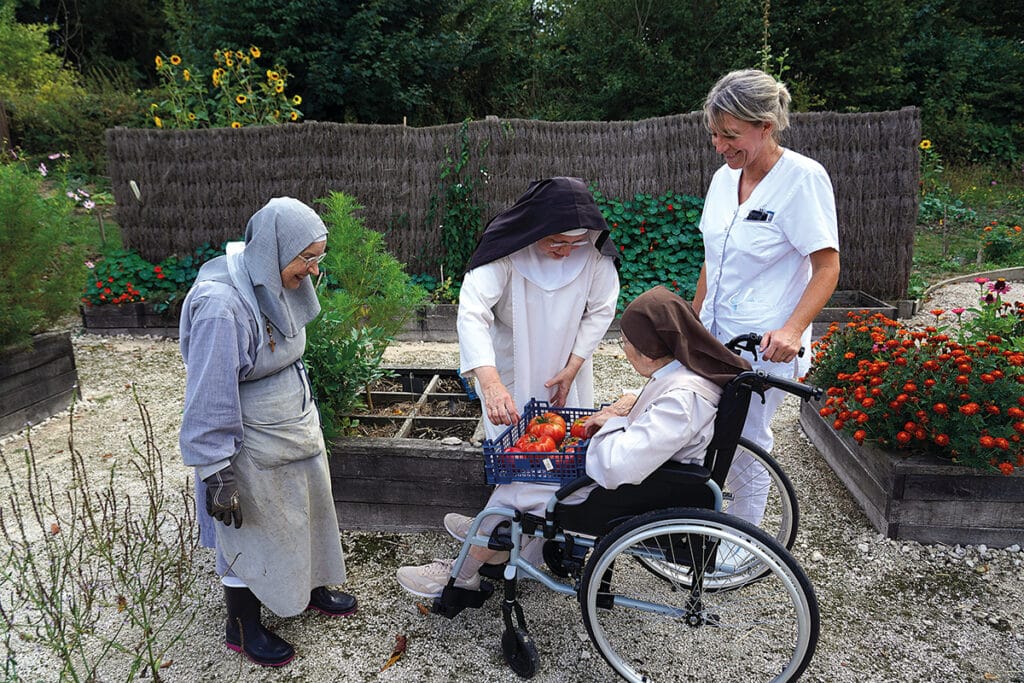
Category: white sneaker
[458,525]
[429,580]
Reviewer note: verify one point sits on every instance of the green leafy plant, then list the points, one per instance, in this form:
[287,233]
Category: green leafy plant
[237,93]
[659,242]
[440,291]
[366,297]
[953,390]
[1002,243]
[40,266]
[455,205]
[123,276]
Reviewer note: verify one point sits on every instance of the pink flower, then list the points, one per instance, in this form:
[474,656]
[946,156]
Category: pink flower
[90,265]
[89,204]
[957,311]
[981,280]
[42,170]
[55,156]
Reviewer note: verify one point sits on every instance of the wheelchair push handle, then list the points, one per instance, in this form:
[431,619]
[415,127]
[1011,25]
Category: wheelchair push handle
[750,342]
[759,381]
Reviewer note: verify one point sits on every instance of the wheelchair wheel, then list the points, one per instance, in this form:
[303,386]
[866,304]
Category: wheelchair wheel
[756,482]
[520,652]
[647,627]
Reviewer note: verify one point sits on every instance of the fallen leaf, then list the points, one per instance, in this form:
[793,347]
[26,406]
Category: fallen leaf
[122,603]
[396,653]
[54,528]
[166,663]
[423,609]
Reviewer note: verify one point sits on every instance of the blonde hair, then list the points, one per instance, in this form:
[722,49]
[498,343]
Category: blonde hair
[749,95]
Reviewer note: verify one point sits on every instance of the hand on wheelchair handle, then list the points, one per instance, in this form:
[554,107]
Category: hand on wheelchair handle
[751,342]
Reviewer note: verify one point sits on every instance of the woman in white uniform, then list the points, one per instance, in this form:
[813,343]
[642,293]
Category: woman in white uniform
[252,432]
[672,419]
[771,248]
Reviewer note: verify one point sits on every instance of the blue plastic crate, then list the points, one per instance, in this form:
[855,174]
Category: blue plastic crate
[502,466]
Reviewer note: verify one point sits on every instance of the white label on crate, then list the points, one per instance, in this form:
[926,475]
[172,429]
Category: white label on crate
[548,465]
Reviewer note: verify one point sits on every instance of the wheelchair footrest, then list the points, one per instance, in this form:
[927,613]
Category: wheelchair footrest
[453,600]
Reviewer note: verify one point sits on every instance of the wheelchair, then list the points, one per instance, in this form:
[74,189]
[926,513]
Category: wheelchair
[670,587]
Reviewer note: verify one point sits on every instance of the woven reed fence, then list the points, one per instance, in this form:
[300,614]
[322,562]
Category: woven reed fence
[202,186]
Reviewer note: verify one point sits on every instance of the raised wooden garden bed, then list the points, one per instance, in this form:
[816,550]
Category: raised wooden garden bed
[419,457]
[920,497]
[843,302]
[135,319]
[37,382]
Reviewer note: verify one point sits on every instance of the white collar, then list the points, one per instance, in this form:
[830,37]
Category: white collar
[672,366]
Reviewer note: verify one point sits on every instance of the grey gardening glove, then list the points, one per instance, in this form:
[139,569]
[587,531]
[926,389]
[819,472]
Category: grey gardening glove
[222,497]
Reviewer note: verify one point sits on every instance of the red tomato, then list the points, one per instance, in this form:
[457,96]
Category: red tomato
[577,429]
[531,443]
[548,424]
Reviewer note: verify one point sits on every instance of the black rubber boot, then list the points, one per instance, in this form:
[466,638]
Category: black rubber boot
[332,603]
[245,632]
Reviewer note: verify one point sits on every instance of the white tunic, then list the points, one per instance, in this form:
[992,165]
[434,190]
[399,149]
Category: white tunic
[672,419]
[757,270]
[528,333]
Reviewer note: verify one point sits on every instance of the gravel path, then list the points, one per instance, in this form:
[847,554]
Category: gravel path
[891,611]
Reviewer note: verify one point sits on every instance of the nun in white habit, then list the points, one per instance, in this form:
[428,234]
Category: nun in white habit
[539,295]
[252,432]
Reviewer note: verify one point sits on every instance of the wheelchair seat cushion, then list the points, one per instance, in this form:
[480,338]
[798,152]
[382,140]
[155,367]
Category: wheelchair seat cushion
[672,485]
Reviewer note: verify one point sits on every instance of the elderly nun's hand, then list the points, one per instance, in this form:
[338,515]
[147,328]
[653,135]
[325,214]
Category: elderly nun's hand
[222,497]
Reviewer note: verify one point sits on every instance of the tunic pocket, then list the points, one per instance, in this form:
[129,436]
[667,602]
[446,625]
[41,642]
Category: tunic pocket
[273,445]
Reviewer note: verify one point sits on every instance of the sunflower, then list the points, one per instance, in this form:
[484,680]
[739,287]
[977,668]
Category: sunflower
[255,52]
[273,75]
[236,124]
[241,99]
[191,116]
[159,61]
[228,61]
[279,87]
[218,74]
[925,144]
[187,75]
[296,100]
[175,60]
[294,116]
[158,122]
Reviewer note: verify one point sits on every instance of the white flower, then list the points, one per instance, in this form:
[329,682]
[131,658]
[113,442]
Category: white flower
[89,204]
[55,156]
[90,265]
[42,170]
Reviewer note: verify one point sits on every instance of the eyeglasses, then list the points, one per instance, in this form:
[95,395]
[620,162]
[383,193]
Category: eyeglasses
[574,245]
[310,260]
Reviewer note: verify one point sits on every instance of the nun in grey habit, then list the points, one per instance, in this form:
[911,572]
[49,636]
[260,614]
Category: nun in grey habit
[252,432]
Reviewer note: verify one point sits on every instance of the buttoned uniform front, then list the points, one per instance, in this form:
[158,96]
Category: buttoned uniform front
[757,260]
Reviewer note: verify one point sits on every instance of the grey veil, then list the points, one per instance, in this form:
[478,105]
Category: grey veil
[275,235]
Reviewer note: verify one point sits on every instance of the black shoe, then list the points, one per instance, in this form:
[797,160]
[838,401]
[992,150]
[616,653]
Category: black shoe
[245,632]
[332,603]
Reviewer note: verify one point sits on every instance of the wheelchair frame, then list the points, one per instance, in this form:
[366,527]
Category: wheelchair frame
[684,552]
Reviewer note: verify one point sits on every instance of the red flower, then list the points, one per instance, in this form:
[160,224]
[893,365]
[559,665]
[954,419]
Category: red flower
[1002,444]
[941,439]
[987,441]
[941,408]
[157,269]
[903,438]
[970,408]
[1006,468]
[859,435]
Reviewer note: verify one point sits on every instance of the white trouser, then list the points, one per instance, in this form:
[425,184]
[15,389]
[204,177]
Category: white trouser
[748,481]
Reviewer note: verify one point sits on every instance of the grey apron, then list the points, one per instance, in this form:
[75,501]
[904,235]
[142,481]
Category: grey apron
[289,541]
